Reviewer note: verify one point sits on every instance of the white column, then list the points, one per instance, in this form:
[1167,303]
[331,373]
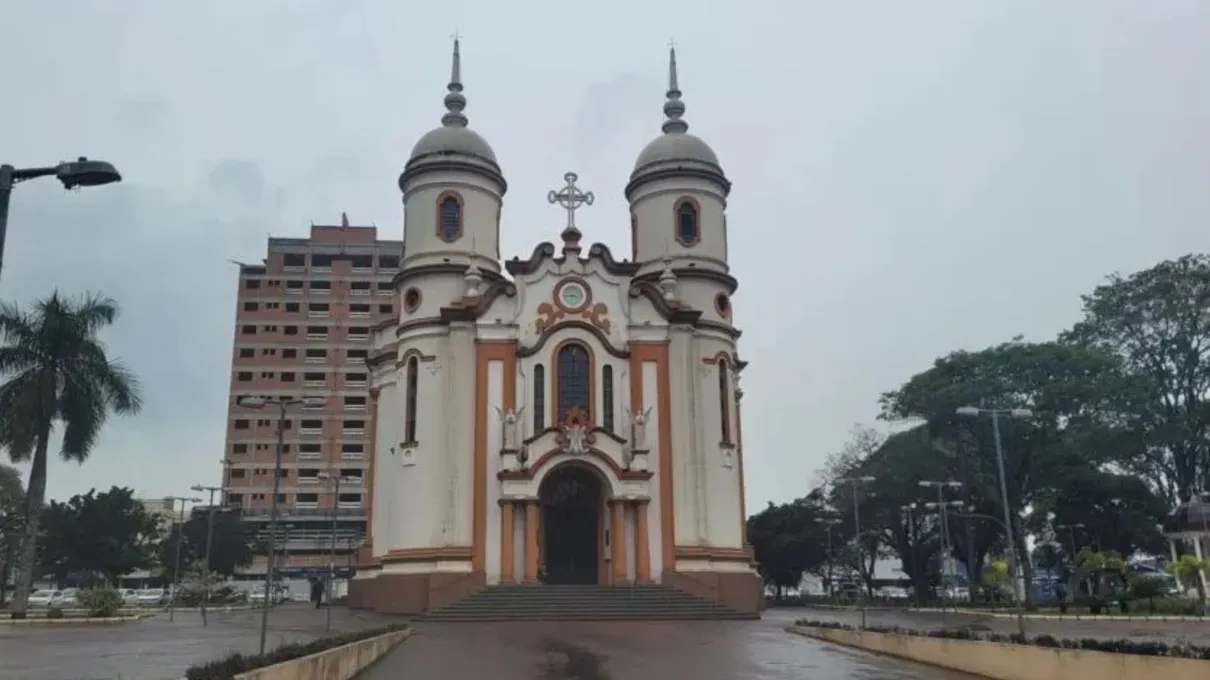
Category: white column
[1197,550]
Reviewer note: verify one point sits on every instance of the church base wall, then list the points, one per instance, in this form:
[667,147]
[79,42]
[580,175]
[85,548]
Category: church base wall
[396,593]
[735,590]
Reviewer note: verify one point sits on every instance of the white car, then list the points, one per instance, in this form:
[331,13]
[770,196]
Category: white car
[150,597]
[130,597]
[46,598]
[68,598]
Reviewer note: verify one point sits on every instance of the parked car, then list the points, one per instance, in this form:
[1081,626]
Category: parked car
[150,597]
[68,598]
[45,598]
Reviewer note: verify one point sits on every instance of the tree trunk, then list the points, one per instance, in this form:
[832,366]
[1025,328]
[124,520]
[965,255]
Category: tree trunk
[34,499]
[1025,566]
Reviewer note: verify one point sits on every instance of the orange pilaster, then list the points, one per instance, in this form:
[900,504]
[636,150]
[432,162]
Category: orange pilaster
[642,554]
[531,541]
[507,559]
[619,542]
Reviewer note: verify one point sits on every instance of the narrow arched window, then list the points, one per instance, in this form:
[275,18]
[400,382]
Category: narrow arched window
[687,231]
[413,383]
[539,398]
[724,401]
[574,380]
[449,218]
[607,397]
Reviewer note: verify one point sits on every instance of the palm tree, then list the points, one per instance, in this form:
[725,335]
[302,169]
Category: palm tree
[57,373]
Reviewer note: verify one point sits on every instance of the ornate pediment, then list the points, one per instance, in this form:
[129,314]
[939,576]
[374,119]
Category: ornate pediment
[575,434]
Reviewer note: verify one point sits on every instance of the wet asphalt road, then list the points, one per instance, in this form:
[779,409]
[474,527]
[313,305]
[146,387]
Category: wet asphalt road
[756,650]
[154,649]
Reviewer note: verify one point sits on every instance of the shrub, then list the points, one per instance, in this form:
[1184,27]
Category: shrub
[54,613]
[102,601]
[1143,648]
[227,668]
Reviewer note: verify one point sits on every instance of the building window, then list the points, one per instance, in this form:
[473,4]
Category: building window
[449,217]
[722,305]
[539,398]
[573,384]
[723,400]
[607,396]
[687,224]
[413,378]
[411,300]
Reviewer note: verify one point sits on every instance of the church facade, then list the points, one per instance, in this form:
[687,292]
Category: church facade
[570,417]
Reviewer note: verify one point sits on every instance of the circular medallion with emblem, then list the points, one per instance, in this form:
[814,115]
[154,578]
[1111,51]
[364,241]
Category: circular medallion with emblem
[572,295]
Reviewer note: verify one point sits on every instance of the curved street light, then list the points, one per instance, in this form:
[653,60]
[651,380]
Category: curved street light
[81,172]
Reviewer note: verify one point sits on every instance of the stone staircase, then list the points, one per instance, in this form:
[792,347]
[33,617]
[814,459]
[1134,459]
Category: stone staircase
[582,603]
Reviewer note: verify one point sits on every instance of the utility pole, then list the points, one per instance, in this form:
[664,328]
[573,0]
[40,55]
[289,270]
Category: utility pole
[180,538]
[209,542]
[334,477]
[855,483]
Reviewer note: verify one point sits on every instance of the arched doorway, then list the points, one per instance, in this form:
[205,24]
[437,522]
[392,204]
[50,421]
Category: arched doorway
[572,498]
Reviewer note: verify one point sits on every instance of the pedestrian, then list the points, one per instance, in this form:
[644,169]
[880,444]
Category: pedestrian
[317,591]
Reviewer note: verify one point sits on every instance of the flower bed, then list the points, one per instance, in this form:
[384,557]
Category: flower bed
[227,668]
[1140,647]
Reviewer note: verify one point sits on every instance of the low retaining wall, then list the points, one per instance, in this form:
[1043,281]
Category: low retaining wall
[75,620]
[340,663]
[1014,662]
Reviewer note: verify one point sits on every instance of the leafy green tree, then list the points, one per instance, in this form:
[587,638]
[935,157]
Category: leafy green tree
[1064,387]
[1155,320]
[231,545]
[57,372]
[12,520]
[1113,511]
[107,533]
[1188,571]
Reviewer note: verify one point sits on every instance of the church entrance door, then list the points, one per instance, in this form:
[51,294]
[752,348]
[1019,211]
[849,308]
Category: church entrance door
[572,499]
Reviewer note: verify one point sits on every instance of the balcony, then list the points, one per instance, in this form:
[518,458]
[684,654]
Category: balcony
[314,403]
[294,291]
[353,431]
[310,432]
[296,511]
[317,336]
[355,407]
[305,481]
[309,455]
[316,359]
[352,455]
[360,292]
[299,505]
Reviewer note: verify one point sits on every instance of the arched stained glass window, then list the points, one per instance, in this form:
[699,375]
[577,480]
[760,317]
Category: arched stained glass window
[724,384]
[687,223]
[607,398]
[539,398]
[449,219]
[574,376]
[413,384]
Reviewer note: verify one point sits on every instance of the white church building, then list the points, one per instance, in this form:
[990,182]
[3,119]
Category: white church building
[570,417]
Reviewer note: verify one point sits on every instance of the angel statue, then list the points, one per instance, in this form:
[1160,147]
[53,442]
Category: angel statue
[510,423]
[638,429]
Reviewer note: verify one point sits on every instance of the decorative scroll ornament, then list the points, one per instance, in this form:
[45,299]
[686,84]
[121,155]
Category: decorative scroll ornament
[574,435]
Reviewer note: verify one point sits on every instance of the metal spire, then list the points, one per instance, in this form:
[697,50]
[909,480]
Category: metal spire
[454,101]
[674,108]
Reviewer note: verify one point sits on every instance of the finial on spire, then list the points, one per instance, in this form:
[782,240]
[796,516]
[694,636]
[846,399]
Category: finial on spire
[674,108]
[344,220]
[455,102]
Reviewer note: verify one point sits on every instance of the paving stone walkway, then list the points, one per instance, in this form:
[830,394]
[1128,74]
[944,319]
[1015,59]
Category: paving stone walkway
[723,650]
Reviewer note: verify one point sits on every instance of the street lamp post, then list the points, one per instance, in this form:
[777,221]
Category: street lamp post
[176,569]
[856,483]
[335,478]
[1018,584]
[828,524]
[209,542]
[281,405]
[941,506]
[909,510]
[78,173]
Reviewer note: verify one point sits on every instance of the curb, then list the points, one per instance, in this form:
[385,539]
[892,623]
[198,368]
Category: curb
[76,621]
[1061,617]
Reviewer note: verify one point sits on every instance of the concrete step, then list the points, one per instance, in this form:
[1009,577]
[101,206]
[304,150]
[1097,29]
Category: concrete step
[583,603]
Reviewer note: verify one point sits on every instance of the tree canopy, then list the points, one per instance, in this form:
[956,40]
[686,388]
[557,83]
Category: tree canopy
[230,548]
[109,534]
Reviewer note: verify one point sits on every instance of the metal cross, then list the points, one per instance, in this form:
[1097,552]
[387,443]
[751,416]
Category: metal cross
[571,198]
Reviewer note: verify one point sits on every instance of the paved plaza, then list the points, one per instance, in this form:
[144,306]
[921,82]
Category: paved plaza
[154,649]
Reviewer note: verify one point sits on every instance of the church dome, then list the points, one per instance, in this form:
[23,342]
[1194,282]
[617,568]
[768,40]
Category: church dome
[453,140]
[676,152]
[675,148]
[454,144]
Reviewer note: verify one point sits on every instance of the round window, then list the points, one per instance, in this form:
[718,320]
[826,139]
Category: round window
[411,300]
[722,304]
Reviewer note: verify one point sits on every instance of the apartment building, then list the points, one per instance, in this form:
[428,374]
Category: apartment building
[302,336]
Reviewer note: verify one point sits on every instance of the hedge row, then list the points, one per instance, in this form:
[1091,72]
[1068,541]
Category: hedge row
[227,668]
[1144,648]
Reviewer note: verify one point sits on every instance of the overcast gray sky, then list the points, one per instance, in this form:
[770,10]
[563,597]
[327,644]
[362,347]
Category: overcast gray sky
[910,177]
